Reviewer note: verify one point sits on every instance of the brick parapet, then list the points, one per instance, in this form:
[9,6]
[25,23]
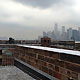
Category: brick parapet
[59,65]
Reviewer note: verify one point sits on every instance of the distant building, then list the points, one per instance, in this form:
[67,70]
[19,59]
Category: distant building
[45,41]
[39,38]
[69,34]
[63,35]
[63,44]
[44,34]
[52,36]
[79,33]
[75,35]
[63,29]
[49,34]
[55,28]
[56,31]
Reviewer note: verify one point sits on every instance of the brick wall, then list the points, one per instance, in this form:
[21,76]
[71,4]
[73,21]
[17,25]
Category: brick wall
[7,60]
[59,65]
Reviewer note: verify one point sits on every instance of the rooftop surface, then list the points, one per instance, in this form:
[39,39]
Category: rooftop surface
[71,52]
[13,73]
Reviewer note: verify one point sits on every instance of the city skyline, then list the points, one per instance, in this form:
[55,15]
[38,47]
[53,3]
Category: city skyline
[63,34]
[29,18]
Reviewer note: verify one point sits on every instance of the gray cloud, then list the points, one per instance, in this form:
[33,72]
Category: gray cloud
[44,3]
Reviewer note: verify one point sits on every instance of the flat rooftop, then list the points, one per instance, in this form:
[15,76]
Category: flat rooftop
[13,73]
[65,51]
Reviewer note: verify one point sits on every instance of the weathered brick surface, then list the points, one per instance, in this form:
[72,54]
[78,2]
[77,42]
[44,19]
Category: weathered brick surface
[50,72]
[41,57]
[57,68]
[62,70]
[45,69]
[55,55]
[70,58]
[57,75]
[47,59]
[59,62]
[7,59]
[39,62]
[75,75]
[73,67]
[64,77]
[59,65]
[51,66]
[69,73]
[32,59]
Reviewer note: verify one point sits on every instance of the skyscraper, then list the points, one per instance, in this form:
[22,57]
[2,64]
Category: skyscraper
[63,29]
[63,34]
[79,33]
[44,34]
[56,31]
[55,28]
[69,34]
[75,35]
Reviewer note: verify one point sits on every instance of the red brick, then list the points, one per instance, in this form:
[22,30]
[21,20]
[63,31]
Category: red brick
[62,70]
[45,64]
[44,69]
[75,75]
[32,59]
[73,67]
[56,68]
[51,66]
[40,52]
[50,72]
[55,55]
[64,77]
[69,73]
[40,67]
[47,59]
[40,57]
[57,75]
[59,63]
[39,62]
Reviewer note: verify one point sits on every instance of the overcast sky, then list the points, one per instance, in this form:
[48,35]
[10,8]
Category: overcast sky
[29,18]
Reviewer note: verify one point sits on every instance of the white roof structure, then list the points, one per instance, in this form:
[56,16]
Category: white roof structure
[71,52]
[77,42]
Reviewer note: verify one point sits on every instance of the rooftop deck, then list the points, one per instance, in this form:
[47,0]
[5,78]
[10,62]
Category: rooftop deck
[13,73]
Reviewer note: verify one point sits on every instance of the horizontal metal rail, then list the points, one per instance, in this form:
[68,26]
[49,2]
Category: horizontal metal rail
[34,72]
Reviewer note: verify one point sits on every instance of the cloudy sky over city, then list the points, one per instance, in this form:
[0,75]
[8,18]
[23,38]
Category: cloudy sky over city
[29,18]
